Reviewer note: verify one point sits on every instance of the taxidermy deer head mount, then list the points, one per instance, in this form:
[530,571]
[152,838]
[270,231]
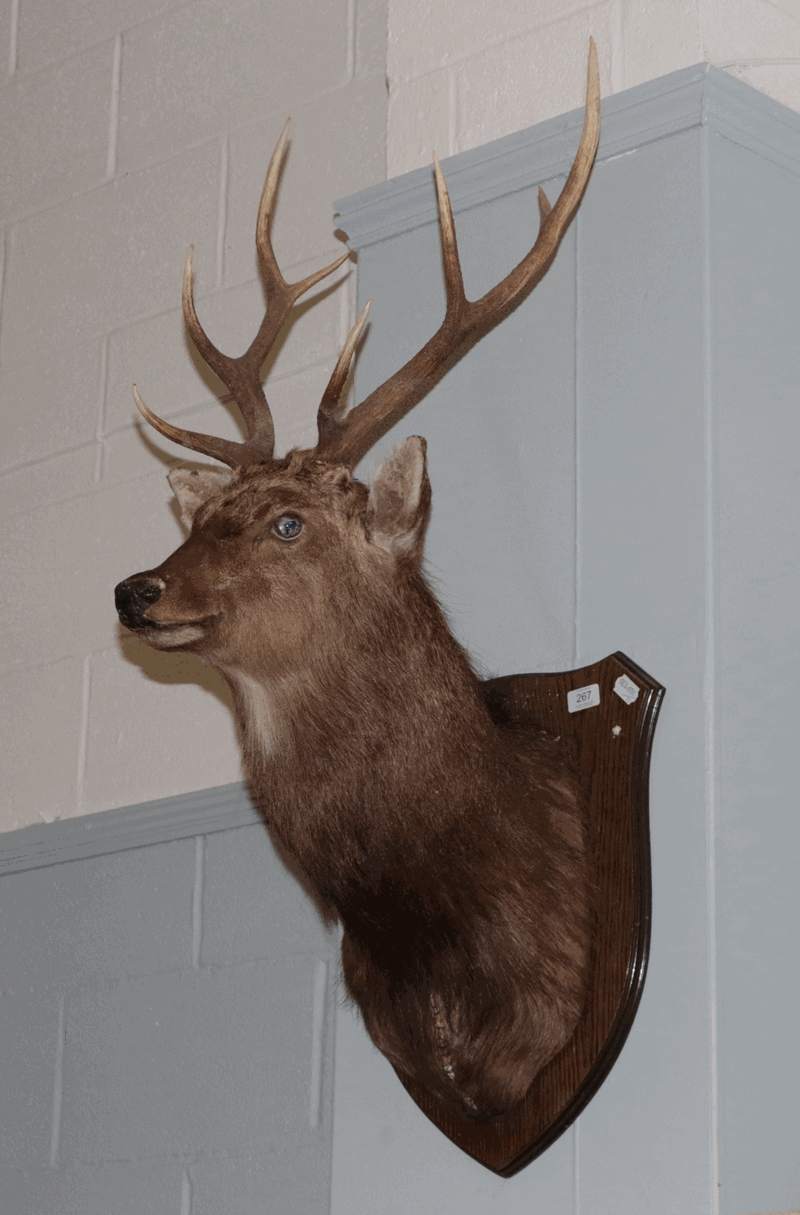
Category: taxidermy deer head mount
[450,847]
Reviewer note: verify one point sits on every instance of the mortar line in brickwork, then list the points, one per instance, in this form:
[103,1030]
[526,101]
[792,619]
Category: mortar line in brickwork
[317,1041]
[3,259]
[100,457]
[186,1193]
[36,209]
[730,65]
[222,212]
[453,110]
[83,736]
[197,899]
[502,40]
[351,66]
[102,182]
[13,37]
[709,673]
[57,1088]
[617,49]
[62,451]
[113,127]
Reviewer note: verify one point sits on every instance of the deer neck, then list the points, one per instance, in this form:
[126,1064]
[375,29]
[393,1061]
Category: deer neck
[381,736]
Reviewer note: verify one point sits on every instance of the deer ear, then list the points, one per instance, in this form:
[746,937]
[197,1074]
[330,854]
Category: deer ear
[193,486]
[400,499]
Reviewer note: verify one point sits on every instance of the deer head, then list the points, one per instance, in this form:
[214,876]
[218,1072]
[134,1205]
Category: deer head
[366,740]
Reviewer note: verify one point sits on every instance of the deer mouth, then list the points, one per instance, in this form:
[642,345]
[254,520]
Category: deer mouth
[166,625]
[170,635]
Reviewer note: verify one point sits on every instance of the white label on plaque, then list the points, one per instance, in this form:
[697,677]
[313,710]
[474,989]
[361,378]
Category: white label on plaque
[626,689]
[583,698]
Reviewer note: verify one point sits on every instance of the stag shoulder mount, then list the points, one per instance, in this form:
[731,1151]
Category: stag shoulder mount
[449,843]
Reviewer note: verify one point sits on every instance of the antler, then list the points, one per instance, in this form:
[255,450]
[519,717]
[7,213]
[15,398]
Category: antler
[345,440]
[242,375]
[465,321]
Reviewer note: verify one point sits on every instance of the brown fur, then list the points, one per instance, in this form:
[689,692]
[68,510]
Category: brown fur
[450,848]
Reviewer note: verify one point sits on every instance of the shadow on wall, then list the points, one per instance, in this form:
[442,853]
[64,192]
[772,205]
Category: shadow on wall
[173,668]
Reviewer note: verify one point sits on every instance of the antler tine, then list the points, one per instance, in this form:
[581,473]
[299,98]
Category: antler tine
[457,301]
[328,406]
[273,278]
[275,283]
[327,422]
[242,375]
[465,320]
[232,454]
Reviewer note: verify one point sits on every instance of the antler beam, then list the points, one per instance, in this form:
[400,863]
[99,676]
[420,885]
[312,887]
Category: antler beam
[346,441]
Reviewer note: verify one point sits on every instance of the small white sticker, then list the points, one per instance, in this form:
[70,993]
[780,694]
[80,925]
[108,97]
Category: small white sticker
[626,689]
[583,698]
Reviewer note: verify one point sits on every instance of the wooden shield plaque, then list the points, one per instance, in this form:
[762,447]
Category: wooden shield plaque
[606,713]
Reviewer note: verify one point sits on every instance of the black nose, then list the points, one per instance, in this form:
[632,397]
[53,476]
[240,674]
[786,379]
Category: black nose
[133,597]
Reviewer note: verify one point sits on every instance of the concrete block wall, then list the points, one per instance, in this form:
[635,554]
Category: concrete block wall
[128,131]
[166,1029]
[462,72]
[165,1013]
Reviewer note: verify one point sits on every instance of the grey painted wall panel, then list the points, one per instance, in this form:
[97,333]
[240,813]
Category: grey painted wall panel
[756,301]
[641,421]
[673,461]
[107,917]
[253,906]
[166,1063]
[642,566]
[108,1189]
[162,1061]
[285,1181]
[29,1026]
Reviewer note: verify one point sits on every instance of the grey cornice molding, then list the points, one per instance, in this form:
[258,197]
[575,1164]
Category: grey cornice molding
[169,818]
[699,96]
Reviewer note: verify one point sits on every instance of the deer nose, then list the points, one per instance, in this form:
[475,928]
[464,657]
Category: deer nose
[134,596]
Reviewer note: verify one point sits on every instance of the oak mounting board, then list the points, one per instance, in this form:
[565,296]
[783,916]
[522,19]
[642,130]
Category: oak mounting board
[612,741]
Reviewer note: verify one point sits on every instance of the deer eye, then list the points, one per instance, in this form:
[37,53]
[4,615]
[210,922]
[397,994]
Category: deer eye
[287,527]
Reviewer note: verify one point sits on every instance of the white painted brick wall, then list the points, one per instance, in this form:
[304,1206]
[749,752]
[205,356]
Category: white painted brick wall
[130,128]
[462,72]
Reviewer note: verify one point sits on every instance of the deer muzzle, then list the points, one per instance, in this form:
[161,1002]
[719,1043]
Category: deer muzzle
[134,596]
